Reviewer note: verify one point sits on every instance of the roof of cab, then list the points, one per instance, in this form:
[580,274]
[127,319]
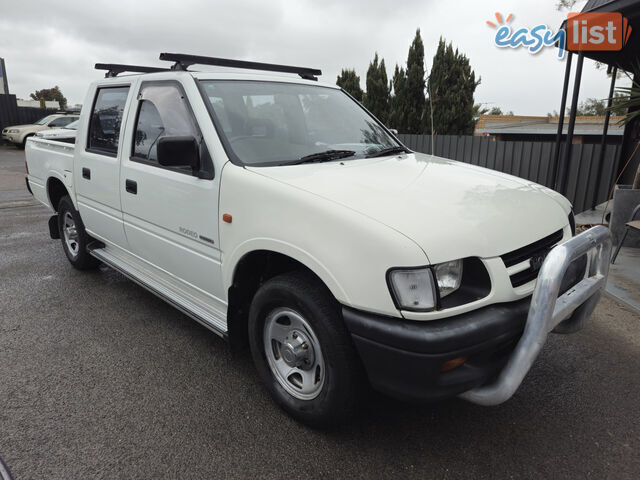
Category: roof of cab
[212,75]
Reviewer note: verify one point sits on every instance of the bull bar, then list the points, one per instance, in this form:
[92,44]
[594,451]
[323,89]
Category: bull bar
[549,312]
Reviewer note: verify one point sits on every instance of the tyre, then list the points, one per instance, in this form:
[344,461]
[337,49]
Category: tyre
[23,145]
[73,236]
[303,351]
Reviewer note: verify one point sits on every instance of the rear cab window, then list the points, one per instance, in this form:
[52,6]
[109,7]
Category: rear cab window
[106,120]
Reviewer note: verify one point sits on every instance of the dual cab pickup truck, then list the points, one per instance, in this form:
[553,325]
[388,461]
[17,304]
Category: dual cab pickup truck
[279,213]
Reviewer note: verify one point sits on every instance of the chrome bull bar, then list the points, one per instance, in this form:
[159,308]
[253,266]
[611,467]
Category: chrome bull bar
[548,312]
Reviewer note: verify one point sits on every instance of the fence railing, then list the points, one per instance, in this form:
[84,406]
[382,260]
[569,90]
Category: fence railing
[531,160]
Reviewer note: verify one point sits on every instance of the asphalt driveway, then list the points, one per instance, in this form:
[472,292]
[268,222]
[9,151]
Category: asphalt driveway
[100,379]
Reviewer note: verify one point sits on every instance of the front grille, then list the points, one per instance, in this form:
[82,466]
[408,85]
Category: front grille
[537,250]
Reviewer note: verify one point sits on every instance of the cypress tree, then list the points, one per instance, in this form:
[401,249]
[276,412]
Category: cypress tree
[415,102]
[452,84]
[376,99]
[350,82]
[397,102]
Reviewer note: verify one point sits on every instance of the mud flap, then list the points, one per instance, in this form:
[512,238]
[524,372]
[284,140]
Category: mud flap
[53,227]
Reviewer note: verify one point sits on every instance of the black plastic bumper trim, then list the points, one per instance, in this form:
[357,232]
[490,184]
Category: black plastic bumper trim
[440,336]
[404,358]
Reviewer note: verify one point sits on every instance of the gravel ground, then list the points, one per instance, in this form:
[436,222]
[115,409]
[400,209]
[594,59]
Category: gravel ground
[100,379]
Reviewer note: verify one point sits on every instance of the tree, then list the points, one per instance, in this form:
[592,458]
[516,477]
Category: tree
[478,111]
[452,84]
[415,102]
[630,103]
[350,82]
[376,99]
[397,101]
[598,107]
[50,94]
[565,4]
[495,111]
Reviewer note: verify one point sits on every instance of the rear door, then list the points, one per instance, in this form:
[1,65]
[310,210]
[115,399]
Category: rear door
[96,165]
[171,213]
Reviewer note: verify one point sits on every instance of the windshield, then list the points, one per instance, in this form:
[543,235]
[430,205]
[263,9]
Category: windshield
[270,123]
[44,120]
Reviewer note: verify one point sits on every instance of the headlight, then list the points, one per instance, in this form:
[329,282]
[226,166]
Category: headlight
[13,130]
[413,289]
[449,277]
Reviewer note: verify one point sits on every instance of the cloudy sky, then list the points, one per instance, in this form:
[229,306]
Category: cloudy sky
[58,43]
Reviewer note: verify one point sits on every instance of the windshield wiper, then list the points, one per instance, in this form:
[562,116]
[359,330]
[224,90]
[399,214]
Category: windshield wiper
[325,156]
[387,151]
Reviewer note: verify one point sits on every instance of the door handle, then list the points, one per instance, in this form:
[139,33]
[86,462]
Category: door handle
[131,186]
[86,173]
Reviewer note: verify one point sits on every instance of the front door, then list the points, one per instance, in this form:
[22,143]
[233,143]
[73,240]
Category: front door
[171,213]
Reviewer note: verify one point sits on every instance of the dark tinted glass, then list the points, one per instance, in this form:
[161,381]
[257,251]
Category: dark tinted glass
[106,118]
[162,113]
[62,121]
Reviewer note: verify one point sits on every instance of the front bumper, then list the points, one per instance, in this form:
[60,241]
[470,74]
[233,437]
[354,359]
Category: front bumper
[500,342]
[404,358]
[10,137]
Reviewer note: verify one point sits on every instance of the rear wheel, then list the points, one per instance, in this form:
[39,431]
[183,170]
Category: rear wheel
[73,236]
[302,350]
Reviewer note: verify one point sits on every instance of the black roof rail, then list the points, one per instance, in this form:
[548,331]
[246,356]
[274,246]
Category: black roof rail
[113,69]
[184,61]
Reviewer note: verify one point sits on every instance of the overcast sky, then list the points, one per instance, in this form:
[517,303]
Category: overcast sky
[59,43]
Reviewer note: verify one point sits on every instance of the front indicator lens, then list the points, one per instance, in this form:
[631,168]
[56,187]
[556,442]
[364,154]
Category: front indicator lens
[413,289]
[449,277]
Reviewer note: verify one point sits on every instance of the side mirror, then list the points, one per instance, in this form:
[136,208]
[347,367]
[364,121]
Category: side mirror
[179,152]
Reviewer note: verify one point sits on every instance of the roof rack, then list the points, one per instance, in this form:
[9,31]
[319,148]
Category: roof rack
[113,69]
[184,61]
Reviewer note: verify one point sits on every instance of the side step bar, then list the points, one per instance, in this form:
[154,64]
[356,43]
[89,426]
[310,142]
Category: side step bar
[213,320]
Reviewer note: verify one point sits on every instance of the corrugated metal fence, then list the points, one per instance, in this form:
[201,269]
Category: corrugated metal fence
[11,114]
[530,160]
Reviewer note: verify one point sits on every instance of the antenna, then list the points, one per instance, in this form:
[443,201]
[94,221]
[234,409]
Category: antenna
[431,110]
[184,61]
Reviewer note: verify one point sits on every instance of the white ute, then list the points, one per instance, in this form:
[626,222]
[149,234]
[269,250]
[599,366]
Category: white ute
[276,211]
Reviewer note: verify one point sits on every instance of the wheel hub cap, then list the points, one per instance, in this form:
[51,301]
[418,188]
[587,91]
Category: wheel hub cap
[70,233]
[293,352]
[297,351]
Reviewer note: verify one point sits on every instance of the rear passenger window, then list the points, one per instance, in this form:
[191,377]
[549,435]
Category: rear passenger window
[106,118]
[162,112]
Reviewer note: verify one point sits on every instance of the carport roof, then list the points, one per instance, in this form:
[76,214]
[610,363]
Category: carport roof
[627,58]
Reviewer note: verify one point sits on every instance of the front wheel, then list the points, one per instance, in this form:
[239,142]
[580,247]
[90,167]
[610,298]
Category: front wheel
[74,237]
[302,350]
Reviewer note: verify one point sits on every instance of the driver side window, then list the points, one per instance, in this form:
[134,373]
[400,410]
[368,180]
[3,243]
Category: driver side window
[162,112]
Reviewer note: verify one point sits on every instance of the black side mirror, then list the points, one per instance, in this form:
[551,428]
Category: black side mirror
[179,152]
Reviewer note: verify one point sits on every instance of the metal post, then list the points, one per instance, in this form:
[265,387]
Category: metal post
[3,79]
[561,180]
[563,104]
[603,142]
